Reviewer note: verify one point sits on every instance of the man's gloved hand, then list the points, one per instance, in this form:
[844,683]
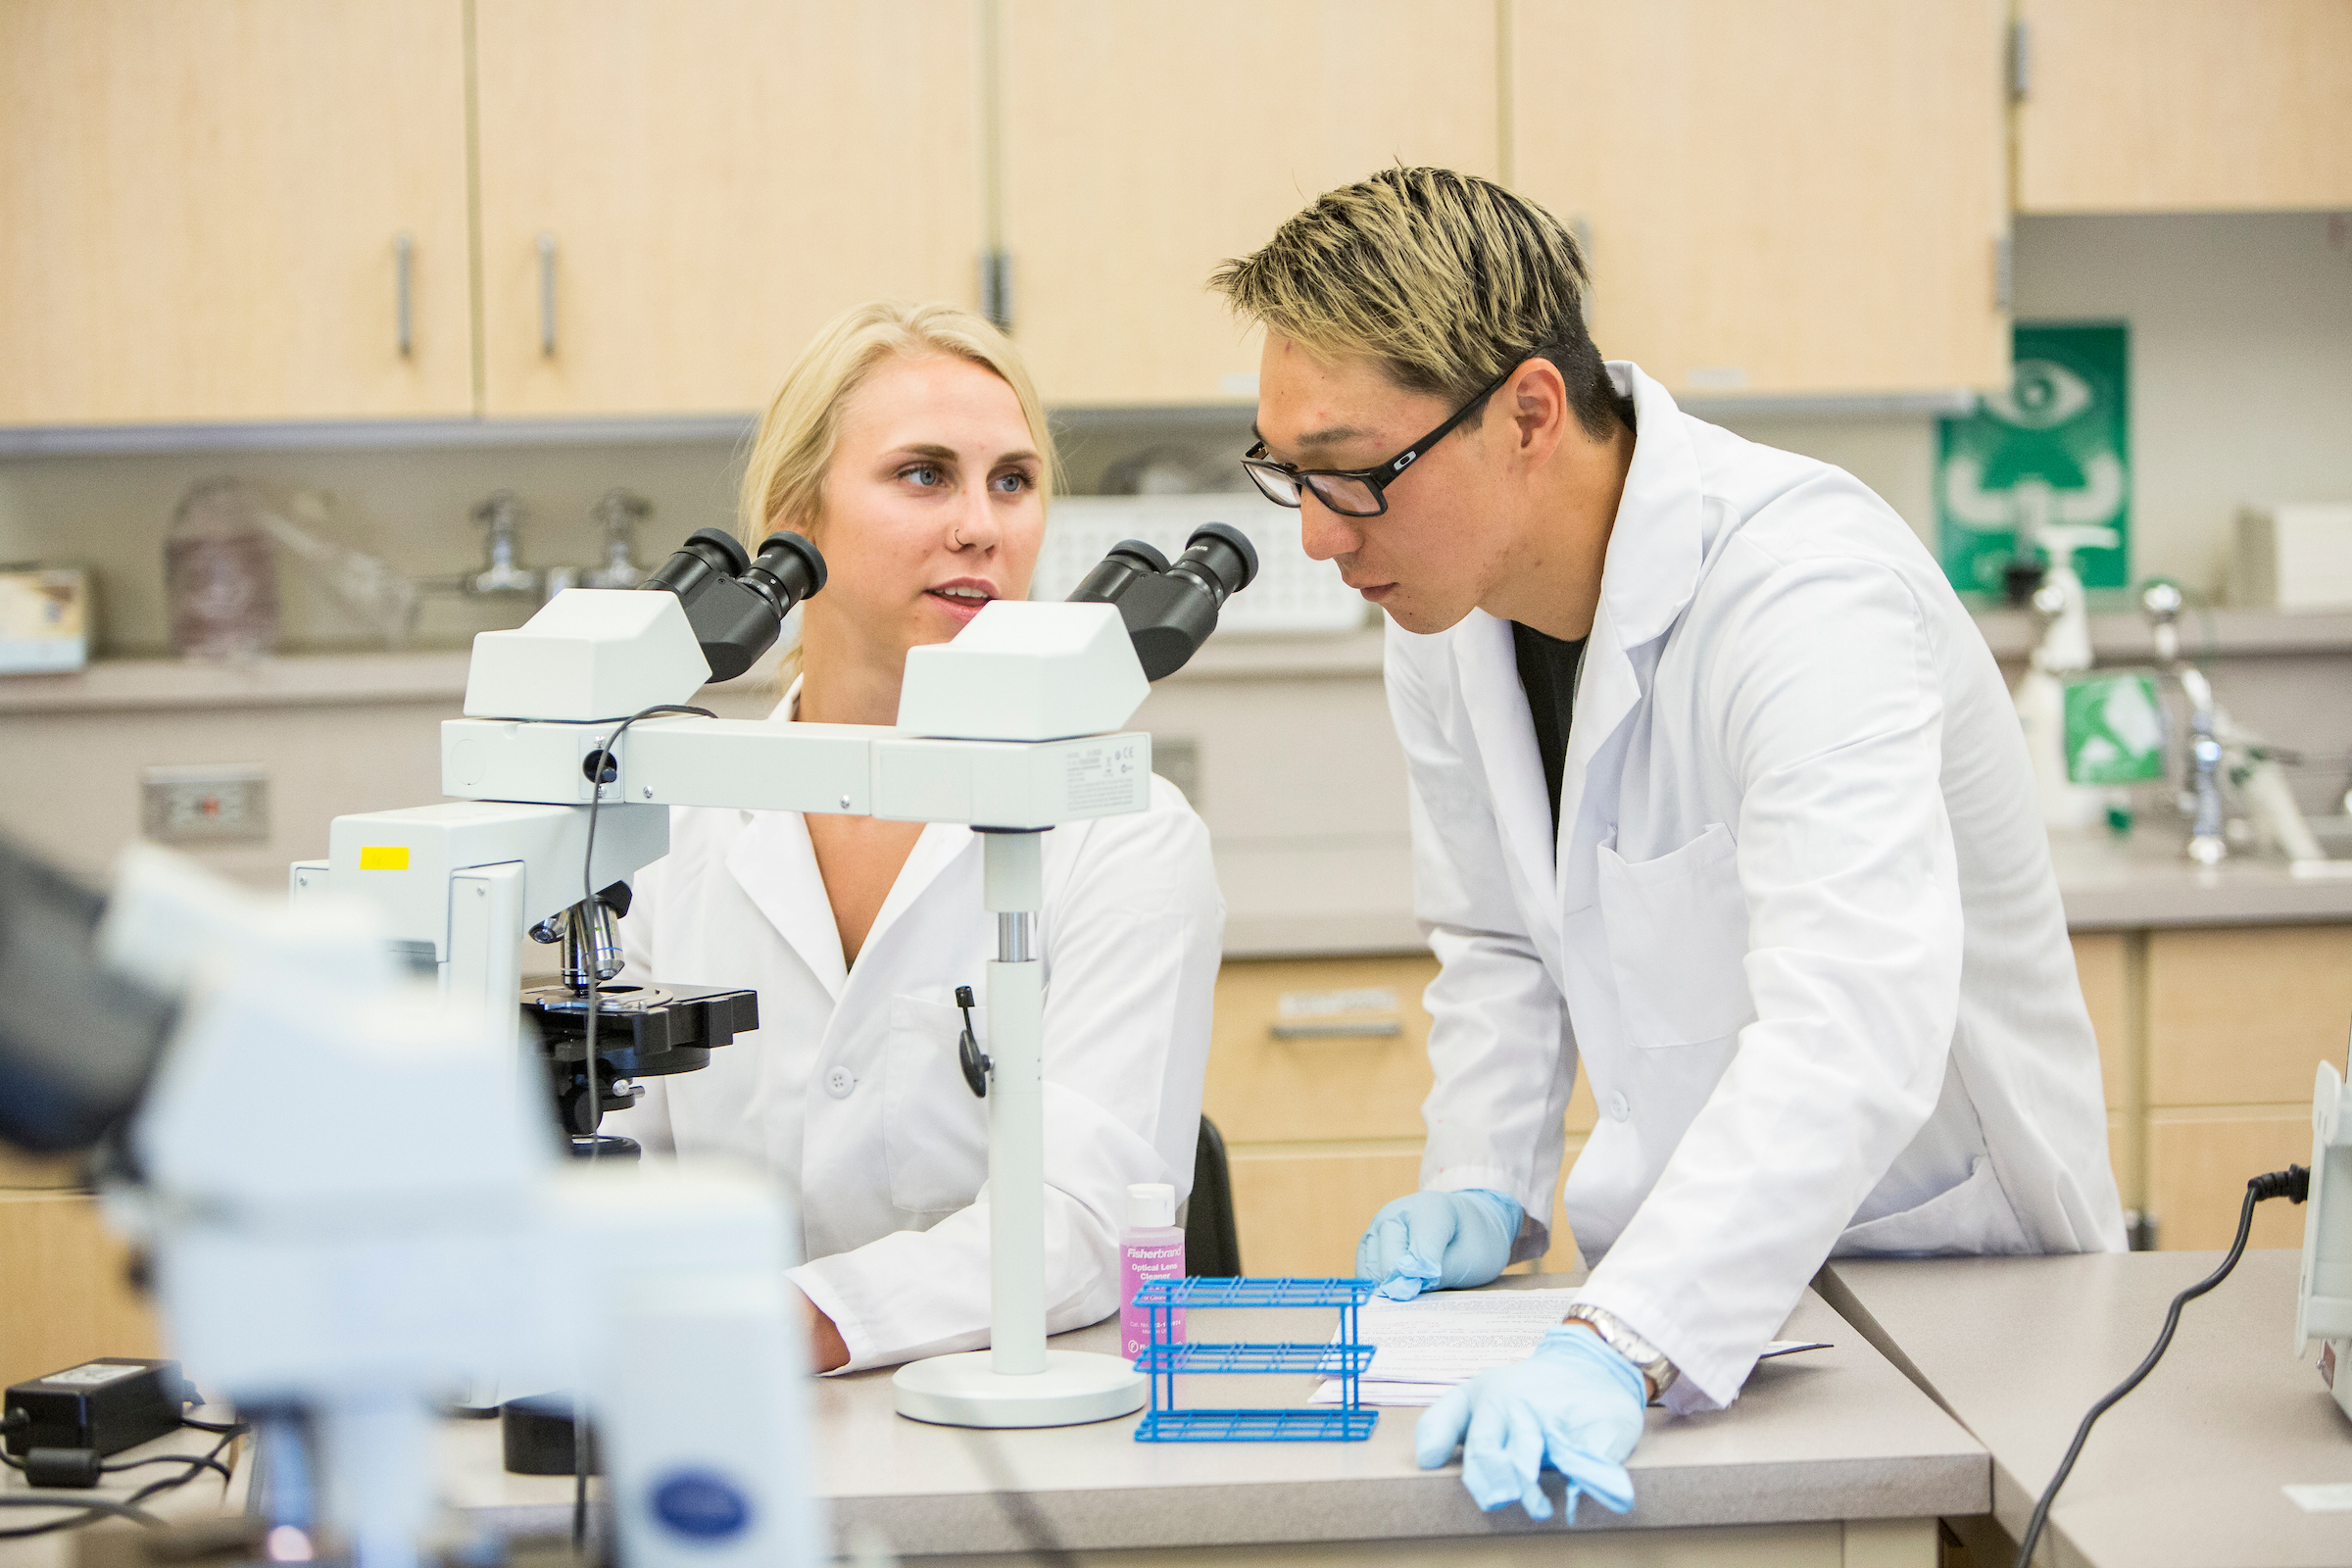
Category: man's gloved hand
[1575,1404]
[1438,1240]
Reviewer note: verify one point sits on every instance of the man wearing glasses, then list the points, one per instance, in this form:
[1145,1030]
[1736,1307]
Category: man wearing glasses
[1717,794]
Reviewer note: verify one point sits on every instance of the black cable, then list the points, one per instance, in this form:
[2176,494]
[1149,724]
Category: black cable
[2292,1183]
[596,798]
[86,1509]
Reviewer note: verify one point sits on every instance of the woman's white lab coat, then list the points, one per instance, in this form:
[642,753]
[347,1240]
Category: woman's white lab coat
[850,1090]
[1801,927]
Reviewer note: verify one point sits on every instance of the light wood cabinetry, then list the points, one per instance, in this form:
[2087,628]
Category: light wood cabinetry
[2184,106]
[1800,198]
[2244,1016]
[70,1298]
[201,205]
[1321,1129]
[2237,1021]
[712,184]
[1144,144]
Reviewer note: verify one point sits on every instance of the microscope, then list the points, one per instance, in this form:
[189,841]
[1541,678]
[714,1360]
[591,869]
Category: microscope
[579,739]
[576,742]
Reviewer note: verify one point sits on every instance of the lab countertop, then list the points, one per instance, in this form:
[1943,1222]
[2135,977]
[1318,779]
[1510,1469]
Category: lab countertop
[2187,1470]
[1830,1435]
[2147,880]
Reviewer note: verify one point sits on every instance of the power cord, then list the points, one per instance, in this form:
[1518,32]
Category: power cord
[88,1510]
[606,760]
[2293,1184]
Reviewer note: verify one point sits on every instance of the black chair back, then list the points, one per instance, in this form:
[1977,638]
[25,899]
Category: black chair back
[1212,1246]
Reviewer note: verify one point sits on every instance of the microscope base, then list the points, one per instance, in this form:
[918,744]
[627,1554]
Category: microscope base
[1075,1388]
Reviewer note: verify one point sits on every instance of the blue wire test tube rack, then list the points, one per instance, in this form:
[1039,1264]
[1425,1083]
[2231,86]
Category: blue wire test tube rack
[1165,1357]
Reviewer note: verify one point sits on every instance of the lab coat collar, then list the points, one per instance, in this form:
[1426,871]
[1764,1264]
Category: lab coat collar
[1646,578]
[1652,569]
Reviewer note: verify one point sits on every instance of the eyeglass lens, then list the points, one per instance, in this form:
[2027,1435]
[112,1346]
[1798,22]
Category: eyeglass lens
[1352,498]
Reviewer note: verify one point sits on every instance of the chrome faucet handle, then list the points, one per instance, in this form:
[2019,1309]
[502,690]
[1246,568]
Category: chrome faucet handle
[618,512]
[2161,602]
[501,515]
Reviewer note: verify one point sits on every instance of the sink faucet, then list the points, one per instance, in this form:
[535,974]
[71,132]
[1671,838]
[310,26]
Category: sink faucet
[616,512]
[501,515]
[2161,602]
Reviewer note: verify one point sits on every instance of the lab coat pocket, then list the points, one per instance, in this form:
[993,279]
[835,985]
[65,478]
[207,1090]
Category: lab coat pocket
[1973,1219]
[934,1129]
[1677,931]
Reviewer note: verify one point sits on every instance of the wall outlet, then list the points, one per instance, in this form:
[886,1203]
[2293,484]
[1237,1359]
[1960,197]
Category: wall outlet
[205,804]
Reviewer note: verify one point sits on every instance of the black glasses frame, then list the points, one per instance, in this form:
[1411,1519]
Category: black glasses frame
[1376,478]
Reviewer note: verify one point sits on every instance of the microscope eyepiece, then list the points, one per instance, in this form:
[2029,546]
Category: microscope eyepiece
[1169,610]
[737,602]
[1221,558]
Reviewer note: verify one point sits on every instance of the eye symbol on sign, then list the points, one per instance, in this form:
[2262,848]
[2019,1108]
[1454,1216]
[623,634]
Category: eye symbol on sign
[2041,396]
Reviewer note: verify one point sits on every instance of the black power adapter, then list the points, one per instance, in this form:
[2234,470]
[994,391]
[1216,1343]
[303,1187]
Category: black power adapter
[63,1424]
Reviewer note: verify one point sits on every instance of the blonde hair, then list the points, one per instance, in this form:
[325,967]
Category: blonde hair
[784,478]
[1446,280]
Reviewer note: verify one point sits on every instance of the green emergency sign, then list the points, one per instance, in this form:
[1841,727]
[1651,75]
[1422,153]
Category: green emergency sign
[2053,450]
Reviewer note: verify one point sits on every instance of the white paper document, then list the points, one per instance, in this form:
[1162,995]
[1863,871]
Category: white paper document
[1425,1345]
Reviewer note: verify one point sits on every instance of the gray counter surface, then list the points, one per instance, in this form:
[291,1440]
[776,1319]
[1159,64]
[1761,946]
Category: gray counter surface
[1830,1435]
[2147,880]
[2185,1472]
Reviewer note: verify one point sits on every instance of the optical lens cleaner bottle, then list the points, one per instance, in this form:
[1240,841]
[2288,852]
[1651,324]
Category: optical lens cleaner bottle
[1152,1248]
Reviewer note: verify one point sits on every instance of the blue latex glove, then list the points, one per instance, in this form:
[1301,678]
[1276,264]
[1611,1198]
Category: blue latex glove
[1441,1241]
[1575,1405]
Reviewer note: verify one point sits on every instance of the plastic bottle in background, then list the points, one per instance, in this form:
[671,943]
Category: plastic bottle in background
[1150,1248]
[221,574]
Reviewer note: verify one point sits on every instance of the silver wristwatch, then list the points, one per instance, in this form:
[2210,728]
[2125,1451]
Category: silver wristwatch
[1648,1358]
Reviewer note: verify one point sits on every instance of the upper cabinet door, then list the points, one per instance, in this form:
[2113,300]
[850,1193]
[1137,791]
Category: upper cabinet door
[1143,144]
[676,197]
[2184,106]
[1800,198]
[227,209]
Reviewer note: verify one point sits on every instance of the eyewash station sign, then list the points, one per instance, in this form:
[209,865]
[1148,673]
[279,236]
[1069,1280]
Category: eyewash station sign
[2044,468]
[2040,477]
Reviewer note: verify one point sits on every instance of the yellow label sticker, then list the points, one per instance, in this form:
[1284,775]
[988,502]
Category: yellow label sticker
[384,858]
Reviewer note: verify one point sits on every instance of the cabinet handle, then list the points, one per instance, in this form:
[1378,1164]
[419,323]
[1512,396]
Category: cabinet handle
[1364,1029]
[547,296]
[403,293]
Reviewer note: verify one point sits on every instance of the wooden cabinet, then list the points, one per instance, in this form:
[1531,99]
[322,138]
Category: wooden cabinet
[202,206]
[72,1299]
[1316,1074]
[2184,106]
[1800,198]
[2237,1022]
[673,198]
[1144,144]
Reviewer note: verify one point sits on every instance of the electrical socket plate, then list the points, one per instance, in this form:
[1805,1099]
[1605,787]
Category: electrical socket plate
[205,804]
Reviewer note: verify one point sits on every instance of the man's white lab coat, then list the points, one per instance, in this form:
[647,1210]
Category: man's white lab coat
[1801,927]
[850,1093]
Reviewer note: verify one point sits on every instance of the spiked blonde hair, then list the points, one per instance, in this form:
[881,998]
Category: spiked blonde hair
[784,478]
[1445,278]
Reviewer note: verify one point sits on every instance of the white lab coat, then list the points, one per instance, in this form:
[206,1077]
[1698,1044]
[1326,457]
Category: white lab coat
[850,1093]
[1801,927]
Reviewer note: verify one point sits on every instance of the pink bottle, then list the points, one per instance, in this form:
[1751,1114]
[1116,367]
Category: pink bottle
[1150,1248]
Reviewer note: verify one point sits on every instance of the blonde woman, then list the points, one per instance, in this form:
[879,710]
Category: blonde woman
[908,443]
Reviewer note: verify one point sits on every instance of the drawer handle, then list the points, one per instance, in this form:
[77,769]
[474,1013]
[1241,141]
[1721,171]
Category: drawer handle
[547,296]
[1360,1029]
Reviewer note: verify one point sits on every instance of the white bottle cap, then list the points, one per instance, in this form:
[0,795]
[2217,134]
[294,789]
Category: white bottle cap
[1150,1205]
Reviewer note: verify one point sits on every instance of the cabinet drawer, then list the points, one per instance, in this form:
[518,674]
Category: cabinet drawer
[1334,1071]
[2100,966]
[1301,1212]
[2199,1167]
[2242,1017]
[85,1306]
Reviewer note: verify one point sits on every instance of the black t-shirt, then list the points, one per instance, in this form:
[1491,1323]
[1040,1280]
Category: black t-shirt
[1547,669]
